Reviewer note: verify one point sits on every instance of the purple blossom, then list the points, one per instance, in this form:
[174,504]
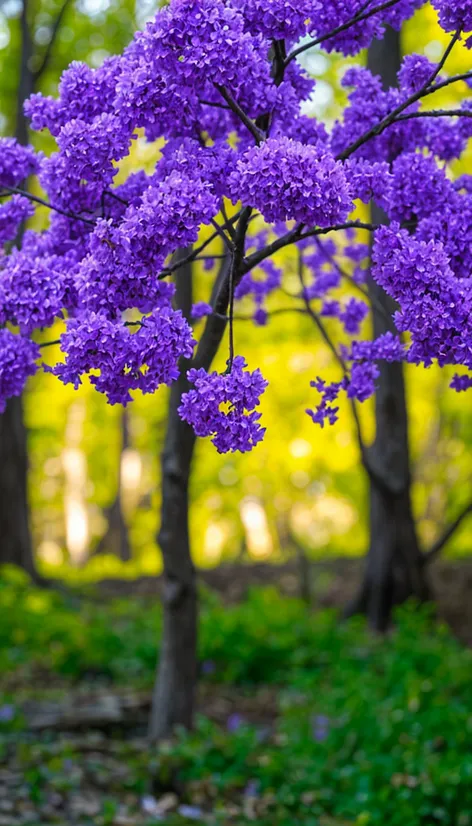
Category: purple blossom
[32,291]
[18,358]
[285,179]
[320,726]
[416,70]
[461,383]
[454,14]
[125,360]
[277,18]
[353,314]
[7,713]
[201,309]
[17,162]
[223,406]
[234,722]
[12,215]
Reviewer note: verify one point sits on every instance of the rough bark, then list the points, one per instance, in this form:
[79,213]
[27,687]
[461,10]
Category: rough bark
[174,691]
[15,537]
[394,570]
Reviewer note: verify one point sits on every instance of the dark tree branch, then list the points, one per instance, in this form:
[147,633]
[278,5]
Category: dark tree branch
[197,250]
[14,190]
[257,134]
[437,547]
[426,89]
[358,18]
[436,113]
[50,46]
[221,234]
[298,234]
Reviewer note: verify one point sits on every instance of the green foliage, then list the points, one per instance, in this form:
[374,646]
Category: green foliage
[355,729]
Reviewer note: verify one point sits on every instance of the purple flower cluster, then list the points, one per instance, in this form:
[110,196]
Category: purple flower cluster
[418,188]
[284,179]
[200,310]
[125,360]
[359,385]
[435,306]
[17,162]
[223,406]
[454,14]
[18,358]
[31,291]
[12,215]
[278,18]
[84,94]
[89,149]
[330,14]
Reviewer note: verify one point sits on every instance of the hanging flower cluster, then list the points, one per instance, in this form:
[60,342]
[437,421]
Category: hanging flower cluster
[223,406]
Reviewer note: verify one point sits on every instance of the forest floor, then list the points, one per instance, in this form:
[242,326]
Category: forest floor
[301,719]
[331,584]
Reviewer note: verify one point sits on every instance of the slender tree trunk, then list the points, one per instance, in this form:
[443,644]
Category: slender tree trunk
[394,569]
[116,537]
[174,691]
[15,537]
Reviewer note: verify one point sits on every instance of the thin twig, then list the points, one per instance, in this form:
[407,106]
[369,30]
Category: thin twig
[342,272]
[13,190]
[49,343]
[436,113]
[338,357]
[214,103]
[197,250]
[48,53]
[257,134]
[231,312]
[358,18]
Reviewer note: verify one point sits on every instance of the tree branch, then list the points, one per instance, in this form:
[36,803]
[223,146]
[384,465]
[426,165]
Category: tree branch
[14,190]
[257,134]
[337,356]
[297,234]
[427,89]
[436,113]
[358,18]
[436,549]
[342,272]
[52,40]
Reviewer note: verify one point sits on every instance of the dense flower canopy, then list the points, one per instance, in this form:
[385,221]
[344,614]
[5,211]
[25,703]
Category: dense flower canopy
[217,88]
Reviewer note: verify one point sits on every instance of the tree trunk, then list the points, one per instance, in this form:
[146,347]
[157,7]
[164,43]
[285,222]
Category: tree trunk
[394,570]
[15,537]
[174,691]
[116,537]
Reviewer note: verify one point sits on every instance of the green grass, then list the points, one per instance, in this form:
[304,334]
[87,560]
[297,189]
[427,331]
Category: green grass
[366,731]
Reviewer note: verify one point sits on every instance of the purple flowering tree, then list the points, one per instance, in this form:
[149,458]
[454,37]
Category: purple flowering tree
[217,86]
